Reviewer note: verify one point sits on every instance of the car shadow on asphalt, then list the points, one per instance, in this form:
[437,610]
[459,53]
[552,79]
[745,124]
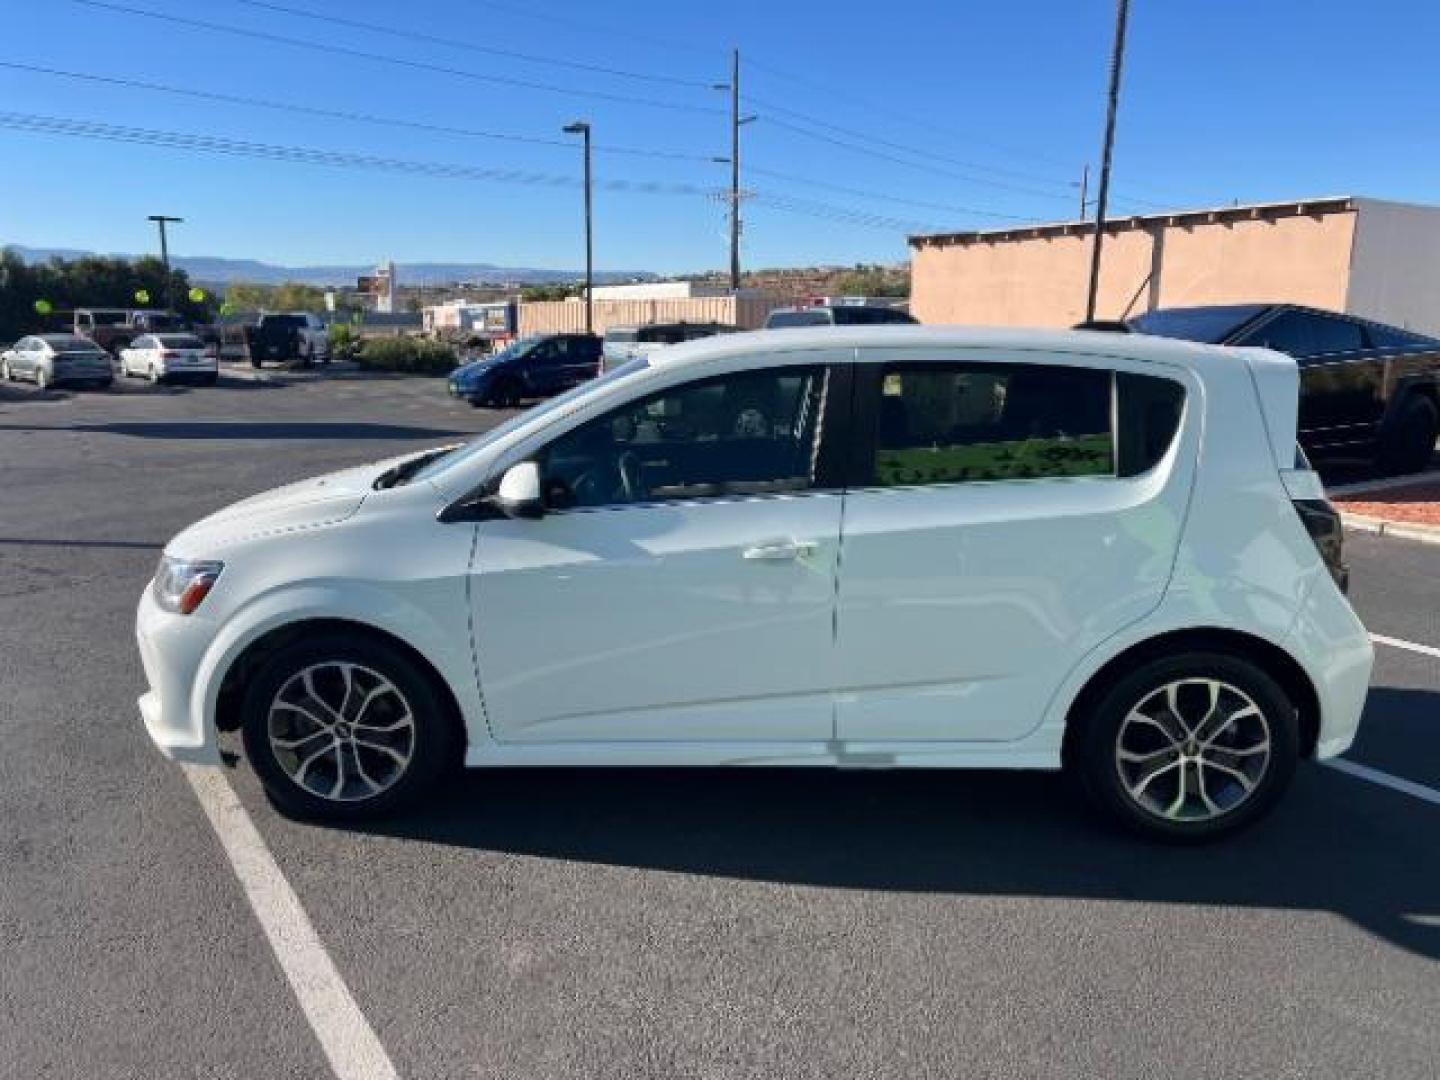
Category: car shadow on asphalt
[324,430]
[1335,844]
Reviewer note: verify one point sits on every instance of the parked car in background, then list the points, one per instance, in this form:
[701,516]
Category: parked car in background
[115,328]
[170,357]
[1365,388]
[835,315]
[902,547]
[624,343]
[56,359]
[531,367]
[289,337]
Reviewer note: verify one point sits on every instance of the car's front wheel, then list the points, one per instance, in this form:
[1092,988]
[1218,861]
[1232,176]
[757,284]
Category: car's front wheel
[343,727]
[1188,747]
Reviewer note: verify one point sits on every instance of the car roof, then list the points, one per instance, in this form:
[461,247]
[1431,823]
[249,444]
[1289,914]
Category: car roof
[1086,342]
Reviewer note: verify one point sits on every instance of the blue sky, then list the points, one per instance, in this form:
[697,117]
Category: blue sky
[1223,100]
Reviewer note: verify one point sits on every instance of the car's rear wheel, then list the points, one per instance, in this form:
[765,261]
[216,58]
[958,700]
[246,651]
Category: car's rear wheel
[341,727]
[5,373]
[153,375]
[1188,747]
[42,378]
[1409,444]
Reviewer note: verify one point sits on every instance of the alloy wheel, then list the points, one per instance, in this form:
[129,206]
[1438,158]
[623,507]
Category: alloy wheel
[1193,749]
[341,731]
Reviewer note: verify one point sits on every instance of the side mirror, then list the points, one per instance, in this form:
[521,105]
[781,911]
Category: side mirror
[518,495]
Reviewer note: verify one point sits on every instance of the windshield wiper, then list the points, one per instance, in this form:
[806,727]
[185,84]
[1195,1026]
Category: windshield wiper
[398,475]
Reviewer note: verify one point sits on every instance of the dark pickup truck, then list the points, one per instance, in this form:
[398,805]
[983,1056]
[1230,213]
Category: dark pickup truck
[114,328]
[1366,389]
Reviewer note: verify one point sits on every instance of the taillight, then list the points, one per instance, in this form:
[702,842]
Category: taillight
[170,354]
[1322,522]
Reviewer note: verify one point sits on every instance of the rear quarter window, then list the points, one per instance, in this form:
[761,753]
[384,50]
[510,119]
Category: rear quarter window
[944,423]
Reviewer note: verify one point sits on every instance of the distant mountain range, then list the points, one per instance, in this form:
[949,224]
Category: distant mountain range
[212,270]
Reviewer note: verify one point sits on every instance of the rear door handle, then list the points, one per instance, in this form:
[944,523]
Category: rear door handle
[780,551]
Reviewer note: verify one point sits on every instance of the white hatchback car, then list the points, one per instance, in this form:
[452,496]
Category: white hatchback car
[875,547]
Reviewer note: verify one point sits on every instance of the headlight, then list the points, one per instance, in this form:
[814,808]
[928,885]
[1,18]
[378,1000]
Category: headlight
[181,584]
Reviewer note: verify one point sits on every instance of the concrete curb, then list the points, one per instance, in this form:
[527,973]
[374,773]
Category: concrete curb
[1404,530]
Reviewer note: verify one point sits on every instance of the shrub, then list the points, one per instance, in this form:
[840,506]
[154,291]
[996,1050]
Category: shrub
[345,341]
[413,355]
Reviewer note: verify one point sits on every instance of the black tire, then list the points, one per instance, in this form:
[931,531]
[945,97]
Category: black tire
[433,745]
[1409,443]
[507,394]
[1093,748]
[105,384]
[209,380]
[256,362]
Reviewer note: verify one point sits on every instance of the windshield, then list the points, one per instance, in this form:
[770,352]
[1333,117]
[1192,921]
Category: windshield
[812,317]
[515,350]
[1208,325]
[622,335]
[461,454]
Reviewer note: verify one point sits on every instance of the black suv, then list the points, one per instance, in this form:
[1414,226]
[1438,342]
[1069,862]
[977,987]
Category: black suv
[1365,388]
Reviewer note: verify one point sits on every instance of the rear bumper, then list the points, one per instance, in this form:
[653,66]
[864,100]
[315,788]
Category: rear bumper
[1334,647]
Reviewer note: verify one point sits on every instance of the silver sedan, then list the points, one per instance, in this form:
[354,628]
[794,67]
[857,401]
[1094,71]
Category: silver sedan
[52,359]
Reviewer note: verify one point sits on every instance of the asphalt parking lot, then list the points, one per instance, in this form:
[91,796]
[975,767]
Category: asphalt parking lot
[620,924]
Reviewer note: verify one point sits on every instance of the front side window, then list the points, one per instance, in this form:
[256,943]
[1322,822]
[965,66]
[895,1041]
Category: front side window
[742,434]
[954,423]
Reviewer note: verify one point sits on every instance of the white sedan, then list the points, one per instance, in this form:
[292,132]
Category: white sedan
[164,357]
[856,547]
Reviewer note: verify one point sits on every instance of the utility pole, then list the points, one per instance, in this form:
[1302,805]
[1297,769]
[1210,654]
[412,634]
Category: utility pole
[736,122]
[162,220]
[582,127]
[1117,56]
[1084,189]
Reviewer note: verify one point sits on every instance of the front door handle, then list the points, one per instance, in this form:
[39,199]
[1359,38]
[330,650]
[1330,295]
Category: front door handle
[780,551]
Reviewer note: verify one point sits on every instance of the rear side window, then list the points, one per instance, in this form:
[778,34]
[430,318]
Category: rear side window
[955,423]
[1300,334]
[812,317]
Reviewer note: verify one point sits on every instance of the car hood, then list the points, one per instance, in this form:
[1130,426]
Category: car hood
[474,368]
[306,504]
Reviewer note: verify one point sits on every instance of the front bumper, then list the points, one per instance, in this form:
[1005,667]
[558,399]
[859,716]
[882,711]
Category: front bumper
[172,651]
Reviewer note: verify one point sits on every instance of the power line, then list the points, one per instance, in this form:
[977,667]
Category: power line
[433,39]
[338,114]
[929,154]
[93,129]
[32,123]
[906,116]
[881,197]
[398,61]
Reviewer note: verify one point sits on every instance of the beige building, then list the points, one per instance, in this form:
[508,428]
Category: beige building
[568,316]
[1363,256]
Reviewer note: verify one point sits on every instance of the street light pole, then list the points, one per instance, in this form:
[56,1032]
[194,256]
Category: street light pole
[162,220]
[581,127]
[1117,56]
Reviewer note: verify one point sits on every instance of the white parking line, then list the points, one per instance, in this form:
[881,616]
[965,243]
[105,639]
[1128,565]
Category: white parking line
[1408,646]
[1384,779]
[345,1035]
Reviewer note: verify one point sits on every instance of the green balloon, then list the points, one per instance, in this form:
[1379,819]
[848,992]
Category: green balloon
[197,296]
[43,307]
[142,296]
